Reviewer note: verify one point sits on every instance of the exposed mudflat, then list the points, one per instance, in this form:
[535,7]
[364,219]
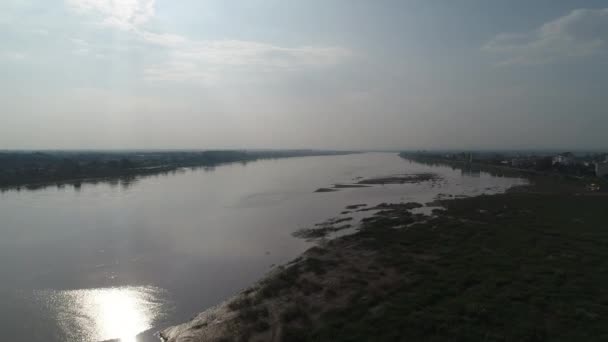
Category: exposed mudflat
[402,179]
[326,190]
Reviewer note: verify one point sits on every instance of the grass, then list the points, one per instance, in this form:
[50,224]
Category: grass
[523,267]
[294,313]
[273,285]
[528,265]
[253,314]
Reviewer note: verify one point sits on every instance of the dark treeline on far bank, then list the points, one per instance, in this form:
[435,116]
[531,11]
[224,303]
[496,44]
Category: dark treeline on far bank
[577,165]
[19,168]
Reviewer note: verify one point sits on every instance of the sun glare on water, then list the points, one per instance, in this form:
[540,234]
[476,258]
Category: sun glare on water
[118,313]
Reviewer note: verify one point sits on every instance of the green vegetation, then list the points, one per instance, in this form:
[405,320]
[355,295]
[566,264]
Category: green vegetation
[527,265]
[513,267]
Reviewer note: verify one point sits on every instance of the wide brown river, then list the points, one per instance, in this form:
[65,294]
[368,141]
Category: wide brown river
[122,259]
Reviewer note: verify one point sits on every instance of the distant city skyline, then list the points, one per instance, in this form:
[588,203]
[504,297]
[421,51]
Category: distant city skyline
[337,74]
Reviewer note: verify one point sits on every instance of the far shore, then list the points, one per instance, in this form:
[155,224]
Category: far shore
[78,181]
[36,170]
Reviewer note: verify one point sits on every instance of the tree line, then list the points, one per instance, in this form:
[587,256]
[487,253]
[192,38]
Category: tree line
[23,168]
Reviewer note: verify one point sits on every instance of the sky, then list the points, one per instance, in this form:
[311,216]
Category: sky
[323,74]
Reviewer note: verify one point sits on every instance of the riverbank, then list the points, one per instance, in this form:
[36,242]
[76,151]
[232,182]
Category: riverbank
[505,170]
[33,170]
[530,264]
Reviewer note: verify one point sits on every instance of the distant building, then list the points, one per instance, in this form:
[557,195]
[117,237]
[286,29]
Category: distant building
[564,159]
[601,169]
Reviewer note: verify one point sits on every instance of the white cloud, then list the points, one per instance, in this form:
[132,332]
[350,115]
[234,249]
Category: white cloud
[581,33]
[39,31]
[162,39]
[206,61]
[121,14]
[13,56]
[82,47]
[200,60]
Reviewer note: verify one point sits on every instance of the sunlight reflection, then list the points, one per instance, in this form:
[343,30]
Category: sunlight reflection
[104,314]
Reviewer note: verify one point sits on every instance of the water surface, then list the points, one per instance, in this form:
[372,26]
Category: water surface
[122,259]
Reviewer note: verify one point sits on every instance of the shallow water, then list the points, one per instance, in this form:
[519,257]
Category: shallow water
[121,260]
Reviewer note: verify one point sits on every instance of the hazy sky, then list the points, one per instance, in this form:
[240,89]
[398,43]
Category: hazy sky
[303,74]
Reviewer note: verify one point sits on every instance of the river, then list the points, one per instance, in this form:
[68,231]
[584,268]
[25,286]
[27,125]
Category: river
[123,259]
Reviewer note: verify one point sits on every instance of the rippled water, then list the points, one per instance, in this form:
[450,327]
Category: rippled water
[123,259]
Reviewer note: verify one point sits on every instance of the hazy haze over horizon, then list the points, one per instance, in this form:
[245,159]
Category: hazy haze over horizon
[323,74]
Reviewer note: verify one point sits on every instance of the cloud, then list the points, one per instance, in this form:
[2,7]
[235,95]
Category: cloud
[162,39]
[201,60]
[207,61]
[82,47]
[121,14]
[39,31]
[13,56]
[581,33]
